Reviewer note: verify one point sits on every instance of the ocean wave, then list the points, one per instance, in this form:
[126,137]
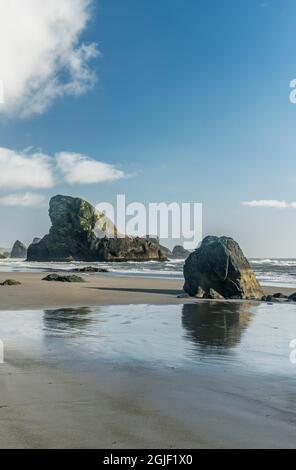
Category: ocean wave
[270,271]
[273,262]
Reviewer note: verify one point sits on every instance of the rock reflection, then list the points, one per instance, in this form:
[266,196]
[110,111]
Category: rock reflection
[215,326]
[68,320]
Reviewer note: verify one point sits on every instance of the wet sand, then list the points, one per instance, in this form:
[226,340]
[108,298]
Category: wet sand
[203,375]
[125,407]
[53,394]
[99,289]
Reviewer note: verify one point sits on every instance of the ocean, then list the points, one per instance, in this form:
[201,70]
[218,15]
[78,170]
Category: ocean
[276,272]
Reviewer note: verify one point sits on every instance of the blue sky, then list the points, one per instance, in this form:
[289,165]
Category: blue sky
[192,103]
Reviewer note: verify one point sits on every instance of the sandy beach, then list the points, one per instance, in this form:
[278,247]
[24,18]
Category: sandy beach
[101,289]
[44,406]
[54,396]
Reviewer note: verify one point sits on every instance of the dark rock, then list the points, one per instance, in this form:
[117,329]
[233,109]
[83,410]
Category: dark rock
[219,264]
[90,269]
[10,282]
[70,259]
[2,256]
[128,249]
[19,250]
[72,235]
[63,278]
[271,298]
[212,294]
[36,240]
[279,295]
[179,252]
[292,297]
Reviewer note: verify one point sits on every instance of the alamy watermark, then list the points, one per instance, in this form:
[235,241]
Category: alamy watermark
[293,352]
[173,221]
[292,96]
[1,352]
[1,92]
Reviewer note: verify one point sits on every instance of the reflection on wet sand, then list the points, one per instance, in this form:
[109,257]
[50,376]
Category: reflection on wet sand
[211,327]
[67,320]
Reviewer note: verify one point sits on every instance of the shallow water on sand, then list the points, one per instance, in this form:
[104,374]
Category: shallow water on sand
[253,337]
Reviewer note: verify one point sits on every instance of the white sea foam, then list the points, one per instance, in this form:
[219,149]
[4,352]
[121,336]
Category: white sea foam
[270,271]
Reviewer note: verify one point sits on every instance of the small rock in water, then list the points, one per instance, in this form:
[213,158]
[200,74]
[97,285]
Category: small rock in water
[292,297]
[59,278]
[279,295]
[10,282]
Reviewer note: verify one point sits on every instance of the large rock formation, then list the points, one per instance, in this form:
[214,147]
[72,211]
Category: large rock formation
[19,250]
[73,236]
[218,268]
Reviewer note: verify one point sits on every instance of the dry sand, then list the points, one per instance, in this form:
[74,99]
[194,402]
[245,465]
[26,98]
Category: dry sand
[101,289]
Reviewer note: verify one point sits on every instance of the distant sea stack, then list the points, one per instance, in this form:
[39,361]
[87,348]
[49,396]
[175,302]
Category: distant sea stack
[179,252]
[218,269]
[75,223]
[19,250]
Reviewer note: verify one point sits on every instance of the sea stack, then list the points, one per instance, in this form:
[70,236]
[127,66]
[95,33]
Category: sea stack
[75,223]
[179,252]
[19,250]
[218,269]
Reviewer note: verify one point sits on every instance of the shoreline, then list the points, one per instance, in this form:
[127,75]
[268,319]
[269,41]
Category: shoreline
[99,289]
[56,395]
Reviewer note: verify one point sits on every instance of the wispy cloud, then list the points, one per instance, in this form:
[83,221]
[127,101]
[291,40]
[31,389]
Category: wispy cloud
[22,170]
[77,168]
[23,200]
[273,203]
[42,56]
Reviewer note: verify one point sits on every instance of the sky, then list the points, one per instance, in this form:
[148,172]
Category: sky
[160,100]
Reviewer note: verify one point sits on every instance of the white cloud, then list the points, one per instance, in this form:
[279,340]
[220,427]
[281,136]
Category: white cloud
[23,200]
[270,203]
[22,170]
[42,57]
[29,169]
[78,168]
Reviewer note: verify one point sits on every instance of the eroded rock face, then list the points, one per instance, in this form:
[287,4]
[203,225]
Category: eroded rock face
[19,250]
[72,236]
[219,265]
